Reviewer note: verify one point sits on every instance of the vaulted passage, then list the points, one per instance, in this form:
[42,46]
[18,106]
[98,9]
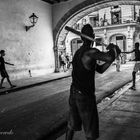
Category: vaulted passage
[109,20]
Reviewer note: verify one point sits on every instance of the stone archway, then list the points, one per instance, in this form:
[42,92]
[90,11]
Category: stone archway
[78,12]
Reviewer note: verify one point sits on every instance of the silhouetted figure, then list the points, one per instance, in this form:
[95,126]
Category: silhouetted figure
[82,100]
[3,71]
[62,60]
[137,63]
[68,61]
[118,63]
[30,73]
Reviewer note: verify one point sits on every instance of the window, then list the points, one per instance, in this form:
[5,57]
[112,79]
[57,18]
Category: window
[94,21]
[116,15]
[119,37]
[116,6]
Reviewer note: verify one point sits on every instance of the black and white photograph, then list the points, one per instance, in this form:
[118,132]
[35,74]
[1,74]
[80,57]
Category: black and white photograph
[69,69]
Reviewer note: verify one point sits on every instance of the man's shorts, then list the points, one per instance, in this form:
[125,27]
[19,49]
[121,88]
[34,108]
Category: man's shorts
[137,66]
[62,63]
[4,73]
[83,111]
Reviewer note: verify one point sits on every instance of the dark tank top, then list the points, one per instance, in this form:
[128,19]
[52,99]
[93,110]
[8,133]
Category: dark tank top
[137,55]
[2,65]
[82,78]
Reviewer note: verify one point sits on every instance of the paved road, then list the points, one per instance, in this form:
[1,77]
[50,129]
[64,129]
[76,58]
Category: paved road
[30,95]
[33,112]
[118,117]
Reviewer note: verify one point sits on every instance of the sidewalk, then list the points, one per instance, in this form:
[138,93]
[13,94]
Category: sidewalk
[33,81]
[118,117]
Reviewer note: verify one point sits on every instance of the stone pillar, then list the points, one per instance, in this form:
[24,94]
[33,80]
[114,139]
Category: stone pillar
[105,39]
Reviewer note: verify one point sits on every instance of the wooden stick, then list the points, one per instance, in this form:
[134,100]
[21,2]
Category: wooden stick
[83,35]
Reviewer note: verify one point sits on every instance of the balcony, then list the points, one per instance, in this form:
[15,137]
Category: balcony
[116,21]
[107,23]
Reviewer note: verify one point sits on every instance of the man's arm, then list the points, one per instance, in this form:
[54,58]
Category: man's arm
[102,68]
[9,63]
[95,54]
[90,57]
[105,66]
[107,57]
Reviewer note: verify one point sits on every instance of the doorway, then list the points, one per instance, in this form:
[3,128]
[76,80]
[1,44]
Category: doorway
[120,40]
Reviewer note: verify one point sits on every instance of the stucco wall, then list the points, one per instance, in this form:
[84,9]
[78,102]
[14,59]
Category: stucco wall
[59,10]
[31,50]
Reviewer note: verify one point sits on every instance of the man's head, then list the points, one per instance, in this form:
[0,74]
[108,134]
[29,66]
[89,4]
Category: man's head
[2,52]
[87,30]
[137,45]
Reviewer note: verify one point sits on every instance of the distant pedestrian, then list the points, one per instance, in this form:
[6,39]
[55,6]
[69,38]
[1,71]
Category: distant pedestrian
[62,60]
[137,63]
[3,71]
[118,63]
[68,61]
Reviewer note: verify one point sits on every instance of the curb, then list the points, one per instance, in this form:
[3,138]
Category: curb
[31,85]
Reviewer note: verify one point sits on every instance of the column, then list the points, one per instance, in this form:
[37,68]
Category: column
[130,41]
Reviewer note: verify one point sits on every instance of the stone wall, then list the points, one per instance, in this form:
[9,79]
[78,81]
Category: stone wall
[31,50]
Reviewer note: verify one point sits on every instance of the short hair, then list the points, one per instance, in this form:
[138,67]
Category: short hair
[137,44]
[88,30]
[2,51]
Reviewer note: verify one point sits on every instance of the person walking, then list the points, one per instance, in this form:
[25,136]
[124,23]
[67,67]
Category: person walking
[118,63]
[68,61]
[82,100]
[62,60]
[3,71]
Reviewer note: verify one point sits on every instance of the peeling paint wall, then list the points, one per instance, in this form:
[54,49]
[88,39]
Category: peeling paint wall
[31,50]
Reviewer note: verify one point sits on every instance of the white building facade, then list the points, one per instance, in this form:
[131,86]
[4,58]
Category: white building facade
[117,24]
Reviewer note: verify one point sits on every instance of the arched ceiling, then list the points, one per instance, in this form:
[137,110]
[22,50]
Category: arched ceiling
[81,10]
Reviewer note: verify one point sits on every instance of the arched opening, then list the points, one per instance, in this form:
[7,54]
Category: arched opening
[82,10]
